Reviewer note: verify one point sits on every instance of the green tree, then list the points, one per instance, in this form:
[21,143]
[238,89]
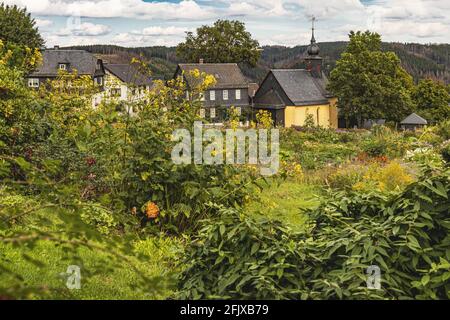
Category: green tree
[432,100]
[18,27]
[224,42]
[17,124]
[370,83]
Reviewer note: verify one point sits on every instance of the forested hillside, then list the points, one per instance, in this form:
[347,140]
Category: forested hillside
[421,61]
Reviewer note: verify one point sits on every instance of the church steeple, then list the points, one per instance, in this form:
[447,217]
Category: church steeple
[313,48]
[313,60]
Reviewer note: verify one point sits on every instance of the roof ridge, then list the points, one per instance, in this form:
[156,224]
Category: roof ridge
[288,70]
[413,116]
[195,64]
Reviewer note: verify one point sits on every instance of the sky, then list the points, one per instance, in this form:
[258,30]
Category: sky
[135,23]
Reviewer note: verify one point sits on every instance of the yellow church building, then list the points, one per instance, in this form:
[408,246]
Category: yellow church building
[294,95]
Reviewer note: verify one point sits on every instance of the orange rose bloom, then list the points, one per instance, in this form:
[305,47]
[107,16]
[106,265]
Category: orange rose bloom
[152,210]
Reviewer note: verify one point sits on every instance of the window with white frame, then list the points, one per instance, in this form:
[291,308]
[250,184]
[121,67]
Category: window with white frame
[62,66]
[33,83]
[212,113]
[238,94]
[115,92]
[225,94]
[202,113]
[238,111]
[212,95]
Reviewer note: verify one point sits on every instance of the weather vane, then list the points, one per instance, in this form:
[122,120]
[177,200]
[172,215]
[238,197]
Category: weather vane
[313,20]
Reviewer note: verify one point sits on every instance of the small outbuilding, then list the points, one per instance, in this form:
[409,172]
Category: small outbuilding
[413,122]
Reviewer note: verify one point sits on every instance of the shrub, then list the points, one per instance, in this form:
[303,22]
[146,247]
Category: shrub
[100,218]
[376,148]
[309,121]
[236,257]
[431,137]
[264,119]
[346,177]
[349,137]
[125,161]
[425,157]
[443,129]
[292,169]
[392,177]
[406,235]
[385,142]
[445,151]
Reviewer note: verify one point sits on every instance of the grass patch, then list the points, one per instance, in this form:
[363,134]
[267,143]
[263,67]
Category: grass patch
[286,202]
[44,265]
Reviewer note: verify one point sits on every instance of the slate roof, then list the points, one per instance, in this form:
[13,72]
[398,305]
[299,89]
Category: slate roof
[414,119]
[302,88]
[228,75]
[84,62]
[129,74]
[271,98]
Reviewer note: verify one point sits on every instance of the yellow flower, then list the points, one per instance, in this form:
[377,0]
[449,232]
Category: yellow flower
[195,73]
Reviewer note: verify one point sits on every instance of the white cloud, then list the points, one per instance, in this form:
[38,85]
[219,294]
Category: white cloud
[186,9]
[128,39]
[43,23]
[291,8]
[84,29]
[162,31]
[270,21]
[287,39]
[152,36]
[267,8]
[401,20]
[330,8]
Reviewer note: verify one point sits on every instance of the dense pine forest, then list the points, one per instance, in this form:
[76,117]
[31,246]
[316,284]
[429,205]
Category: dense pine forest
[421,61]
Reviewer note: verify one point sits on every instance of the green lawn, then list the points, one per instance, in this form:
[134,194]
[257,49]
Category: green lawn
[47,262]
[286,202]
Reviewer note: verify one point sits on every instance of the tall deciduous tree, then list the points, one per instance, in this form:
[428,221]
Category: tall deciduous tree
[432,100]
[370,83]
[18,27]
[224,42]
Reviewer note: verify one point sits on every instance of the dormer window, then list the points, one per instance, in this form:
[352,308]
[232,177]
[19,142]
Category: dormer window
[62,66]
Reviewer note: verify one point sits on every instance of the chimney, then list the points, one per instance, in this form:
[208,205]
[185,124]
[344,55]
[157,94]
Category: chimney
[56,48]
[201,61]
